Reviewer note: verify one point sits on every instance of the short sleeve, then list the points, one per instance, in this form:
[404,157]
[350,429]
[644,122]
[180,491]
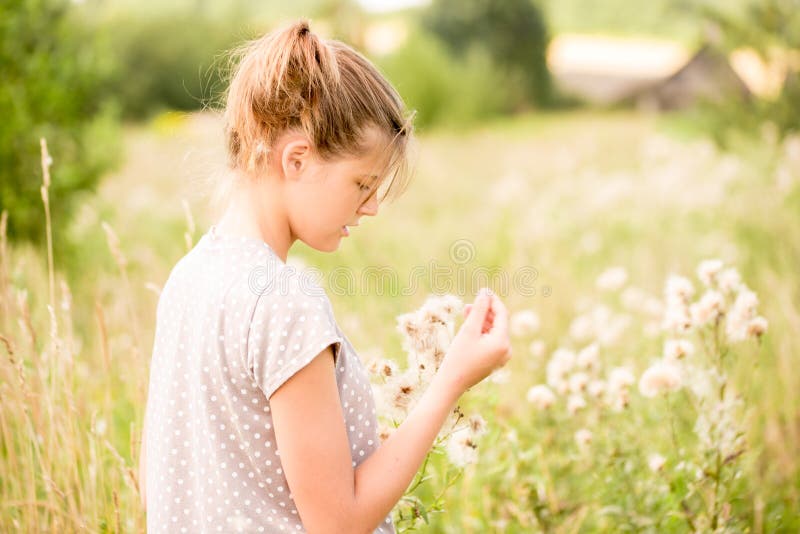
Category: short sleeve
[287,331]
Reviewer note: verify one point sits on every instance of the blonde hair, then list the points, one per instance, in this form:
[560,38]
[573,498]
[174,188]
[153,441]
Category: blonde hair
[291,79]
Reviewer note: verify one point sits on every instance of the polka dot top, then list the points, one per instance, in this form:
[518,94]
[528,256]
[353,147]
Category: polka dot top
[233,323]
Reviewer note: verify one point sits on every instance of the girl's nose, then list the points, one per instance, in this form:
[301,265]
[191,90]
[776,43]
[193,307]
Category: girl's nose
[370,206]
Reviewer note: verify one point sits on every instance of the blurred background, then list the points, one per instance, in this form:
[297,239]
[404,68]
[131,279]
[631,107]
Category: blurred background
[569,135]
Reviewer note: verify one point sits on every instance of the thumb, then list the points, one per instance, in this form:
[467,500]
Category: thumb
[478,311]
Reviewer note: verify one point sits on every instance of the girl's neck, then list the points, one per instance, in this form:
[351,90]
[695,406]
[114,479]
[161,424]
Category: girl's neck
[253,211]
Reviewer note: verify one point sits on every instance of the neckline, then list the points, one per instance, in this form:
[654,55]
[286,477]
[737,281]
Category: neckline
[215,237]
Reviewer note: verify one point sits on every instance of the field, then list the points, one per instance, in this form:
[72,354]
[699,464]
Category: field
[567,196]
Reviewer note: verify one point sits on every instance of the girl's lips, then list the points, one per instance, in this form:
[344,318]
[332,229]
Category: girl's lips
[345,231]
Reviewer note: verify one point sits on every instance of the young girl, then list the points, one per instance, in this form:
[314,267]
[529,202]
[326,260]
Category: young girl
[260,415]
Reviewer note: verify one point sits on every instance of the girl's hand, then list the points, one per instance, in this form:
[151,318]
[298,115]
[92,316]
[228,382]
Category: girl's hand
[481,345]
[487,323]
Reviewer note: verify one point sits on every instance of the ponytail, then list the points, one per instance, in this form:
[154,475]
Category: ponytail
[291,79]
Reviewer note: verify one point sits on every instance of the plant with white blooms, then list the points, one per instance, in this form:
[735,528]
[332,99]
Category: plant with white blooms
[427,333]
[597,395]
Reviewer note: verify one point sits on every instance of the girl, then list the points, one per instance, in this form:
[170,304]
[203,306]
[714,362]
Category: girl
[260,416]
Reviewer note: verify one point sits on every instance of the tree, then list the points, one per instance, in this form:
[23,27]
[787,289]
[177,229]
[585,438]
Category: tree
[772,29]
[512,32]
[52,87]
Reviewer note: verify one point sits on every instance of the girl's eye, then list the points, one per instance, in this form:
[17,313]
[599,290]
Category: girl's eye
[364,187]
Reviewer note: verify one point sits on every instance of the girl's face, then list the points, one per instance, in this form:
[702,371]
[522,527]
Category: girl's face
[324,197]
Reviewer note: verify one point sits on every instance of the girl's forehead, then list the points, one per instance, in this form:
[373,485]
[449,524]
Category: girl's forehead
[373,156]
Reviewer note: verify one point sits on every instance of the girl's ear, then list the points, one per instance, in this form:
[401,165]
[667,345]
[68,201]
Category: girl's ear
[295,157]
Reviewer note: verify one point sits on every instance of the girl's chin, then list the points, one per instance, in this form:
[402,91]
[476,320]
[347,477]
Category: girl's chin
[328,245]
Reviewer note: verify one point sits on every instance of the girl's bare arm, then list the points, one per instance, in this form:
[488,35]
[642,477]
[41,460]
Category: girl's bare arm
[332,496]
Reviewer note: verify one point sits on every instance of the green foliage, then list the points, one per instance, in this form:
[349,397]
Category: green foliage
[53,70]
[772,29]
[447,90]
[513,34]
[172,60]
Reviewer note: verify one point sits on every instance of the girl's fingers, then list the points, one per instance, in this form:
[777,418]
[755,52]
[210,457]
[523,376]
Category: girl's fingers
[500,317]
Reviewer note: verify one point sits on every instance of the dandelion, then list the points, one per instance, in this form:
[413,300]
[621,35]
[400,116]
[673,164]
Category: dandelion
[656,462]
[588,357]
[583,438]
[677,349]
[442,308]
[596,388]
[537,348]
[677,318]
[746,301]
[618,399]
[612,279]
[561,363]
[427,332]
[704,383]
[428,361]
[620,378]
[401,392]
[757,327]
[678,288]
[708,270]
[729,280]
[661,377]
[541,396]
[575,403]
[477,425]
[500,376]
[461,449]
[740,315]
[524,323]
[384,368]
[718,426]
[708,309]
[578,382]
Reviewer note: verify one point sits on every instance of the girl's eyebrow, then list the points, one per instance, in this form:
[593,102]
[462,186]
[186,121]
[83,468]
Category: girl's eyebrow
[369,176]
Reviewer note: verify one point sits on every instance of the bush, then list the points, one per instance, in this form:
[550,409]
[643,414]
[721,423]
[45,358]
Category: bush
[771,28]
[511,32]
[170,60]
[445,90]
[53,69]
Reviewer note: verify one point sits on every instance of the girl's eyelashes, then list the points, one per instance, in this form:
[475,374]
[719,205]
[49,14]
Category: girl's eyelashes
[364,187]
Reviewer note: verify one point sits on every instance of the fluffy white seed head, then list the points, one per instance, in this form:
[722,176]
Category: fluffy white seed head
[541,396]
[661,377]
[524,323]
[589,357]
[677,349]
[708,270]
[612,279]
[575,403]
[583,438]
[708,309]
[656,462]
[678,287]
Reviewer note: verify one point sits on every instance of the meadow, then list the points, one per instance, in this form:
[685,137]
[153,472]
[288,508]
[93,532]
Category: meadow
[603,207]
